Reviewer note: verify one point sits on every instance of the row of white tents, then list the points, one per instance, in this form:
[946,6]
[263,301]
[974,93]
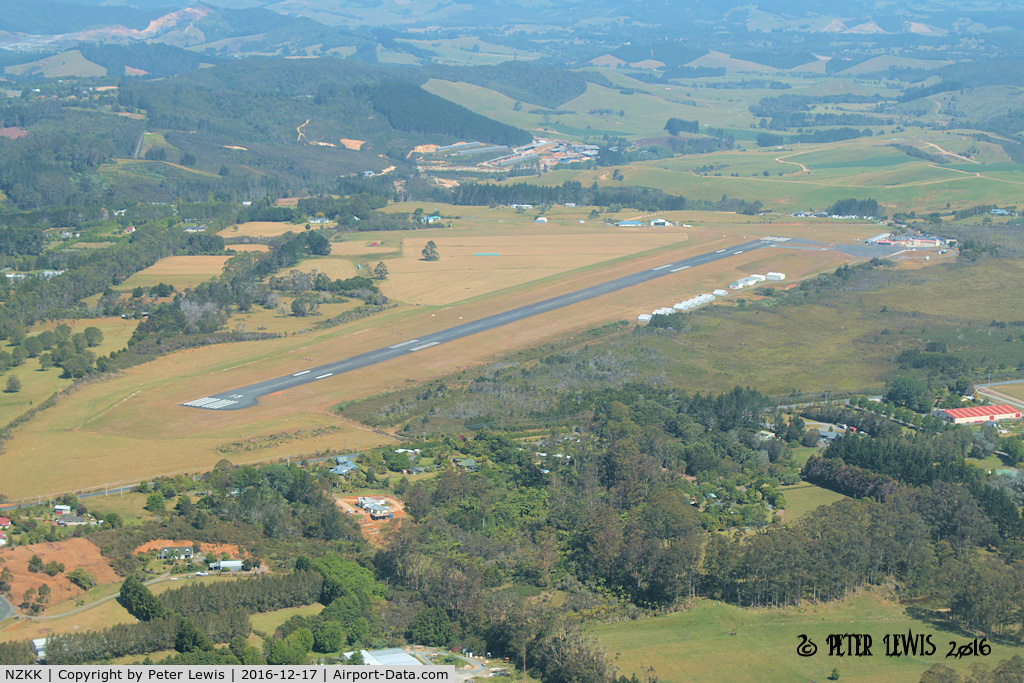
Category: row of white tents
[687,305]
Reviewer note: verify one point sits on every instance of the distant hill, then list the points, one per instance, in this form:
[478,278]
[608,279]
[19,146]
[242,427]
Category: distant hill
[63,65]
[49,17]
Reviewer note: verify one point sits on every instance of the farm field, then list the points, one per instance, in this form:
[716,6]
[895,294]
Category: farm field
[105,425]
[260,229]
[804,498]
[38,385]
[702,643]
[332,267]
[1013,390]
[861,167]
[180,271]
[104,615]
[131,507]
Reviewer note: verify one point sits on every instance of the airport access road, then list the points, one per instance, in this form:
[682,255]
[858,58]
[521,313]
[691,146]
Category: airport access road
[247,396]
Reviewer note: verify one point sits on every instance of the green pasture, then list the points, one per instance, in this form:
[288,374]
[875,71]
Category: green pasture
[714,641]
[858,168]
[804,498]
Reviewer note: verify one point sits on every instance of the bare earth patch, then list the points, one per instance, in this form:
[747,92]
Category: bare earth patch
[75,553]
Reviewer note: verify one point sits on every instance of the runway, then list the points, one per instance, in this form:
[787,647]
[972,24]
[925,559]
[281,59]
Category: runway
[245,397]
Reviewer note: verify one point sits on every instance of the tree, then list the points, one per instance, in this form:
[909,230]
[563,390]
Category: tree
[93,336]
[909,392]
[430,252]
[13,385]
[188,159]
[417,502]
[43,596]
[380,271]
[6,577]
[81,578]
[33,346]
[329,637]
[191,639]
[155,502]
[430,626]
[139,601]
[35,564]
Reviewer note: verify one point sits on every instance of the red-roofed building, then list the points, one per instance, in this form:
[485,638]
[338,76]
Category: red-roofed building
[4,523]
[965,416]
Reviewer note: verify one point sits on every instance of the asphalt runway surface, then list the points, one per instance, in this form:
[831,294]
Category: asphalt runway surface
[245,397]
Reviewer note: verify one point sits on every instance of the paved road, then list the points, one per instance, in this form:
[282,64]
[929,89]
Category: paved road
[6,610]
[245,397]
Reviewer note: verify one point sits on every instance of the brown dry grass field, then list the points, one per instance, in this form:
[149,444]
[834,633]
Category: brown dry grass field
[98,433]
[180,271]
[1011,391]
[334,268]
[358,245]
[260,229]
[74,553]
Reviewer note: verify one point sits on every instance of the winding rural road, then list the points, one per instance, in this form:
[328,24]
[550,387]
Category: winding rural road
[245,397]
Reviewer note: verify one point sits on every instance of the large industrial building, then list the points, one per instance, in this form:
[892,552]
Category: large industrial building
[966,416]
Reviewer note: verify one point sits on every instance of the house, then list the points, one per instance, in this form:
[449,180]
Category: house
[1000,212]
[39,645]
[62,509]
[468,464]
[378,511]
[129,230]
[226,566]
[5,523]
[73,520]
[363,501]
[431,219]
[345,465]
[3,538]
[629,224]
[319,221]
[175,552]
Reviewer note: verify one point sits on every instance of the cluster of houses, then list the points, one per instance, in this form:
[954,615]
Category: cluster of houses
[63,517]
[826,214]
[5,524]
[187,552]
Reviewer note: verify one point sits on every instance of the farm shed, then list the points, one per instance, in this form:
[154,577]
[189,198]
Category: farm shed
[775,277]
[966,416]
[227,566]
